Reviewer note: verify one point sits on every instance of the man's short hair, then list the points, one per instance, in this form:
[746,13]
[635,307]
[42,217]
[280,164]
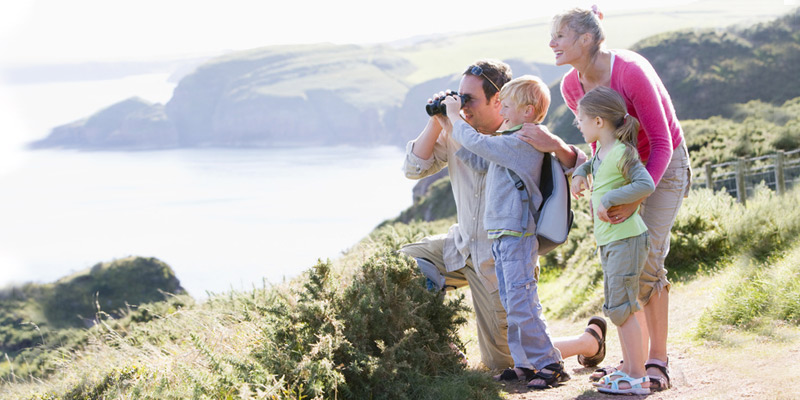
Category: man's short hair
[528,90]
[495,74]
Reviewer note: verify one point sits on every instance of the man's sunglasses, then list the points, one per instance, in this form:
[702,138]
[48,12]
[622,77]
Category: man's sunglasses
[478,71]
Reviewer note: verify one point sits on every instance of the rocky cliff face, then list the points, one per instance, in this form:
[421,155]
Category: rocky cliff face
[311,95]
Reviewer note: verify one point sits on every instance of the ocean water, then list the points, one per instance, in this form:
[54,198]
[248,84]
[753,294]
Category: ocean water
[221,218]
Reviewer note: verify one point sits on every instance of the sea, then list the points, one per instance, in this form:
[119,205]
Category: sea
[223,218]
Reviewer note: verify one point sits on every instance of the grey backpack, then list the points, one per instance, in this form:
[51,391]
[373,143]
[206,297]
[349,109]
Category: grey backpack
[554,216]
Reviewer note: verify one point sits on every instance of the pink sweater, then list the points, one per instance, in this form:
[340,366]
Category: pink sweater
[647,99]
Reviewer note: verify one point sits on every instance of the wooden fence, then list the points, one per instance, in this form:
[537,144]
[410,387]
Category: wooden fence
[779,172]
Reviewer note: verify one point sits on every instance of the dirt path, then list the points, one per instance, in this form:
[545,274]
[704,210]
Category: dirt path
[745,366]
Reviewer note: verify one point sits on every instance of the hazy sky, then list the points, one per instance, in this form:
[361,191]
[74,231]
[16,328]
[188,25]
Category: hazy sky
[57,31]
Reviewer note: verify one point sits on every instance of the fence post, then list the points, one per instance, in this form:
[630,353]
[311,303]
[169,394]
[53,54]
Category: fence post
[741,189]
[780,184]
[709,177]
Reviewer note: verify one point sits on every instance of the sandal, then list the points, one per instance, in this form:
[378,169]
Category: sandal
[510,374]
[592,361]
[551,379]
[607,370]
[606,380]
[658,383]
[635,385]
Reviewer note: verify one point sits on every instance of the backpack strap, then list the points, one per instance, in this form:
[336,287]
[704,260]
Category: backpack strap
[523,194]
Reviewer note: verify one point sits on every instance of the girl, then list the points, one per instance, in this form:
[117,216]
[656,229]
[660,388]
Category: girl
[618,178]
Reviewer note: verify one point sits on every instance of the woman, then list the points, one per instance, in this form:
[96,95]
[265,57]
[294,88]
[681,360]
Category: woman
[577,40]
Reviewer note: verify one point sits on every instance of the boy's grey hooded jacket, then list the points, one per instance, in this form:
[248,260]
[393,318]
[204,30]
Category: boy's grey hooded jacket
[495,154]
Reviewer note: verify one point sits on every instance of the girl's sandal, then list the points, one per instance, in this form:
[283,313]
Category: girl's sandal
[634,383]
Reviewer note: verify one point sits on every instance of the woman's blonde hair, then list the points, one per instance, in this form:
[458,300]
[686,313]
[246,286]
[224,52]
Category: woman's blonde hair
[528,90]
[581,20]
[609,105]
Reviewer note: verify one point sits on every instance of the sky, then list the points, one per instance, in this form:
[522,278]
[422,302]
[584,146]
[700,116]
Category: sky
[74,32]
[58,31]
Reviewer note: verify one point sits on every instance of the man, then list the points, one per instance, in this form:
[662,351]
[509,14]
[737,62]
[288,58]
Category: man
[463,256]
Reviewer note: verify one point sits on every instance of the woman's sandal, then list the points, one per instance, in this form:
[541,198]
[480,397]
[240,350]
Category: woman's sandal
[510,374]
[551,379]
[592,361]
[658,383]
[634,383]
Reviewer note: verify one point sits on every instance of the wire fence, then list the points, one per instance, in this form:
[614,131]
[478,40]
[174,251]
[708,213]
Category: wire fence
[779,172]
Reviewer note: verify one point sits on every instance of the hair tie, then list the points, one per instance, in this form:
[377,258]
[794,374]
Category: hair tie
[625,118]
[595,10]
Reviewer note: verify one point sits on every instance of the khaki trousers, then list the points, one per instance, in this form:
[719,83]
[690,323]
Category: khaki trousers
[658,212]
[489,312]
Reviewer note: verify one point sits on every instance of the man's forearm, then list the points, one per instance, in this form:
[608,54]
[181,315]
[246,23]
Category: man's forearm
[425,142]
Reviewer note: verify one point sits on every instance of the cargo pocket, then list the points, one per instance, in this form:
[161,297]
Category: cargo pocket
[621,300]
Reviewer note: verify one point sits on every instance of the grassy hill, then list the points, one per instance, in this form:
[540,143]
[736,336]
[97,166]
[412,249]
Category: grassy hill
[36,320]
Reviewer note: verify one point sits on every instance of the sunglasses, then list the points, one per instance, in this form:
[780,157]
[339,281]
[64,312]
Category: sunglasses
[478,71]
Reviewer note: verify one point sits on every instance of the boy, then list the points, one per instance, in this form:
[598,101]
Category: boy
[510,223]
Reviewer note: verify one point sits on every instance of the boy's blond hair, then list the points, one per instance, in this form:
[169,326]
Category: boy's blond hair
[528,90]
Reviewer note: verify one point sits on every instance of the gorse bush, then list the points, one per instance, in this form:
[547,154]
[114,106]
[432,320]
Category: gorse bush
[371,332]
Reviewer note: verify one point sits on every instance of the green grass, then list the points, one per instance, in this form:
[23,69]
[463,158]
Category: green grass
[758,297]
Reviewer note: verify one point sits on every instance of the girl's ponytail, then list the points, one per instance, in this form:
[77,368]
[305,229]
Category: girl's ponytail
[627,133]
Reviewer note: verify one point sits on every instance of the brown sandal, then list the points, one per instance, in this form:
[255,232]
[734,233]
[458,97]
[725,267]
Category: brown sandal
[592,361]
[658,383]
[607,370]
[510,374]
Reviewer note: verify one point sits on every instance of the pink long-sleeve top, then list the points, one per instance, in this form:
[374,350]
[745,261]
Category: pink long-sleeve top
[647,99]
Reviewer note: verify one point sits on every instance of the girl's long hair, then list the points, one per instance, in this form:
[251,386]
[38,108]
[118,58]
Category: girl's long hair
[609,105]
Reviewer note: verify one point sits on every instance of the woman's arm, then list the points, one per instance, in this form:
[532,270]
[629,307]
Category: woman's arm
[651,103]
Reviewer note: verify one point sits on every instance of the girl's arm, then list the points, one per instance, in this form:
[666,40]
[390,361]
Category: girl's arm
[640,186]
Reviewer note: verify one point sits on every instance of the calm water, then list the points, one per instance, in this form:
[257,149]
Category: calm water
[222,218]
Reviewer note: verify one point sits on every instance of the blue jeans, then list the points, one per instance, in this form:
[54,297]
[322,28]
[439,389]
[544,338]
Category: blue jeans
[529,341]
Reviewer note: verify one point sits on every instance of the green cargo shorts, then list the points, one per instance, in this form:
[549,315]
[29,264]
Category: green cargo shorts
[623,261]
